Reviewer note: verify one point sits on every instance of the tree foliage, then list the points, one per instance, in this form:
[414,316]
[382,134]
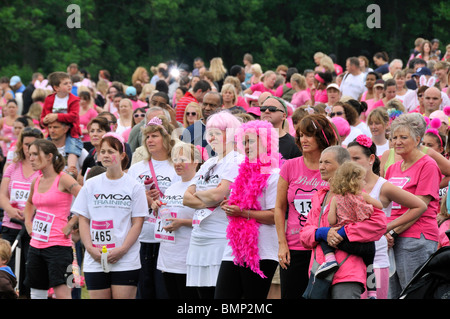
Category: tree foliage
[120,35]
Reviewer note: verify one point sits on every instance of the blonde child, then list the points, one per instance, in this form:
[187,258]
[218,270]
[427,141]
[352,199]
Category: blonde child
[350,205]
[8,280]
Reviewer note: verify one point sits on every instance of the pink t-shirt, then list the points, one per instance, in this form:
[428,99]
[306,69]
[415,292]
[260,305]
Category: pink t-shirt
[242,102]
[303,183]
[371,105]
[443,239]
[18,189]
[423,179]
[299,98]
[261,88]
[321,96]
[84,121]
[52,212]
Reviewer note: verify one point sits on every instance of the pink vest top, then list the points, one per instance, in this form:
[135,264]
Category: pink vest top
[52,211]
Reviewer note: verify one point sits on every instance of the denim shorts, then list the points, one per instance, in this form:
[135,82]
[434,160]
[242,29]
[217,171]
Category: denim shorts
[73,145]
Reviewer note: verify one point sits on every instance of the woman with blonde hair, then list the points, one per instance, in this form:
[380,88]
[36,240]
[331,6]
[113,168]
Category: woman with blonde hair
[192,113]
[257,74]
[218,70]
[301,95]
[147,92]
[156,172]
[237,85]
[229,98]
[327,64]
[267,85]
[140,76]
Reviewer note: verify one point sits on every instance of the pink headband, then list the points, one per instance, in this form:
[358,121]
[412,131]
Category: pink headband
[435,132]
[323,133]
[318,78]
[158,122]
[116,136]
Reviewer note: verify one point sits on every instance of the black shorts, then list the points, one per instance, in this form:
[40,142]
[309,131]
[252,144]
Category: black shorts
[49,267]
[101,280]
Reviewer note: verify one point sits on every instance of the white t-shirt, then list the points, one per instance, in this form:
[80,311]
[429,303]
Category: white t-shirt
[166,176]
[212,222]
[60,104]
[354,133]
[381,255]
[267,239]
[110,205]
[353,85]
[172,254]
[364,128]
[382,148]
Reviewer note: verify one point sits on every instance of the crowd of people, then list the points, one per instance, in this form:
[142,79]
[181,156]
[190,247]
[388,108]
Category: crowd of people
[225,183]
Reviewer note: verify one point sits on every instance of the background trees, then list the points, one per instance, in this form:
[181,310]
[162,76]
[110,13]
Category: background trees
[120,35]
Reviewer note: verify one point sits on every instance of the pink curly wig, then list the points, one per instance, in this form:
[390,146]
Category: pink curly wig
[243,233]
[268,139]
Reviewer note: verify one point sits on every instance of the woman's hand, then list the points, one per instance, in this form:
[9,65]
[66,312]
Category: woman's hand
[115,254]
[96,253]
[15,213]
[284,257]
[333,238]
[231,210]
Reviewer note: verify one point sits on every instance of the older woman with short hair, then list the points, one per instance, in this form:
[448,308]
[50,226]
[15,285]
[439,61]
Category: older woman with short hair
[349,280]
[414,242]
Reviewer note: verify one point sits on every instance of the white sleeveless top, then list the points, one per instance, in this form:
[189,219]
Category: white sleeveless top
[381,255]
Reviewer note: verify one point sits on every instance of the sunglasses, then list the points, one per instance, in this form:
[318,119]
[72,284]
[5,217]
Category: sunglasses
[191,113]
[139,115]
[208,173]
[272,109]
[333,114]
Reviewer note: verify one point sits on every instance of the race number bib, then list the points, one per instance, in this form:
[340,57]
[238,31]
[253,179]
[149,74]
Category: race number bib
[400,182]
[302,203]
[201,214]
[161,222]
[42,225]
[19,193]
[102,233]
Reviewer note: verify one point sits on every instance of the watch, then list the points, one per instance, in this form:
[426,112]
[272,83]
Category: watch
[393,234]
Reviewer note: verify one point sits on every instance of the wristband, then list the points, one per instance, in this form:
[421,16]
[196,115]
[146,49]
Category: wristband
[393,234]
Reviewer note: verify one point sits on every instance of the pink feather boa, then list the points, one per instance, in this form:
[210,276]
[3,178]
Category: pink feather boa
[242,233]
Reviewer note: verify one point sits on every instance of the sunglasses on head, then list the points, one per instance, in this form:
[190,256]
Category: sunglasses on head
[191,113]
[208,173]
[271,109]
[333,114]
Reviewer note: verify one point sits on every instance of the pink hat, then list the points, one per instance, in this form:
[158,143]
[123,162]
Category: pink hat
[252,97]
[254,110]
[440,115]
[342,125]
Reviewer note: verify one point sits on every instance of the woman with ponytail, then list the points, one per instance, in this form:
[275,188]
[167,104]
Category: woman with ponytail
[47,222]
[363,151]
